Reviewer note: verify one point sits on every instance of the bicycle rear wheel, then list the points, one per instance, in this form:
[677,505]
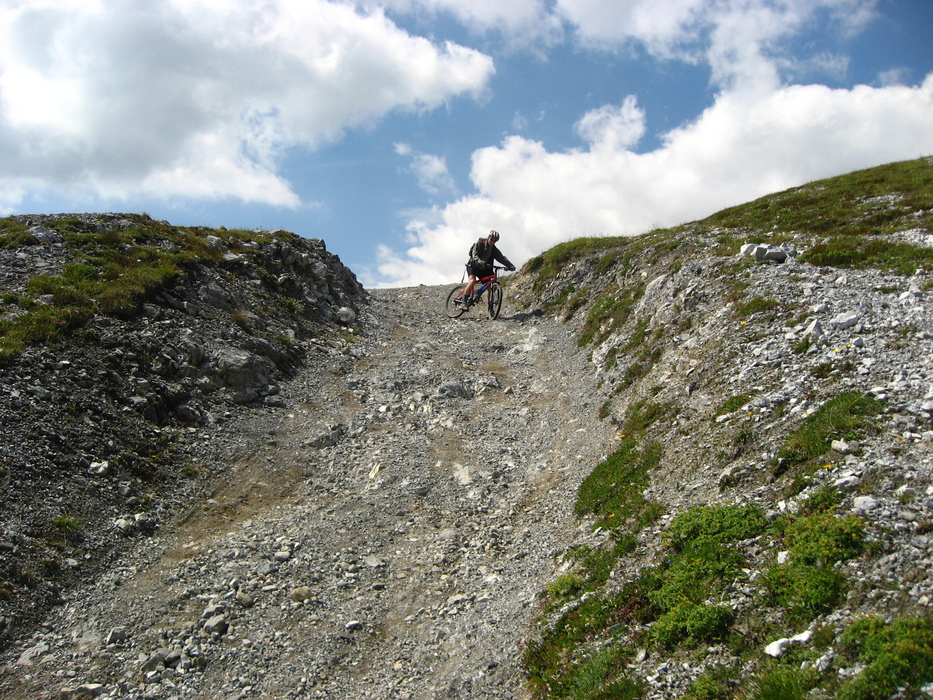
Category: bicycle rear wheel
[454,310]
[494,297]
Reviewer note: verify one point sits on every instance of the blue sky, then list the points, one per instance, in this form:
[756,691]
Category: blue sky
[401,130]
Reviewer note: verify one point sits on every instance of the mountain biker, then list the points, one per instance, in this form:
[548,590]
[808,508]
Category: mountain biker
[482,255]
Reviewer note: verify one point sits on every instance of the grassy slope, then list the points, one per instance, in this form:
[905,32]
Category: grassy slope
[591,628]
[111,272]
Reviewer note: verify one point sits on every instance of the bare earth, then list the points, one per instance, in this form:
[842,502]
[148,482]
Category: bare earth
[402,560]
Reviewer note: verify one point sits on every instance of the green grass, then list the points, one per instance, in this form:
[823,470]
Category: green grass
[548,264]
[67,523]
[732,404]
[113,272]
[613,490]
[13,235]
[893,197]
[845,214]
[756,305]
[898,655]
[714,684]
[642,415]
[847,416]
[866,252]
[781,683]
[555,666]
[609,314]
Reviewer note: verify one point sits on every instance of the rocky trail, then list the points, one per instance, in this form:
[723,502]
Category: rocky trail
[383,535]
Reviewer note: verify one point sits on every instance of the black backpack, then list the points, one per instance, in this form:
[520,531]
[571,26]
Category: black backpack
[478,252]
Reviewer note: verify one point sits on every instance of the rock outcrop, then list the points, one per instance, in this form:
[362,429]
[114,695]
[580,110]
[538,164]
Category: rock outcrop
[99,422]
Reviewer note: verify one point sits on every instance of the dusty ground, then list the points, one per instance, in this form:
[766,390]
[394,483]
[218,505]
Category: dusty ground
[419,538]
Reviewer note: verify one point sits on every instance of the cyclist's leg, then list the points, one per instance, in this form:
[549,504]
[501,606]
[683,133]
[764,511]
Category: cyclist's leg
[468,290]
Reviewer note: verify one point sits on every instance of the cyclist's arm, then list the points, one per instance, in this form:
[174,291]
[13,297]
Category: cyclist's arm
[497,254]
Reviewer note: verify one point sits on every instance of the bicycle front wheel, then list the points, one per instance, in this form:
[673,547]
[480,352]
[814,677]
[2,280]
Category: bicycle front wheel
[454,310]
[494,294]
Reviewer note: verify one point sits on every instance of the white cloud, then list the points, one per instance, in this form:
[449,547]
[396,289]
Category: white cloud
[743,146]
[199,96]
[430,170]
[663,28]
[742,41]
[524,21]
[611,127]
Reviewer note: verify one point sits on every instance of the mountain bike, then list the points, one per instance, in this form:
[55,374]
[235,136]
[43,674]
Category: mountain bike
[456,304]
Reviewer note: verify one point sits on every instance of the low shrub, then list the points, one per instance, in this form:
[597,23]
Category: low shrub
[898,658]
[806,590]
[689,624]
[807,584]
[781,683]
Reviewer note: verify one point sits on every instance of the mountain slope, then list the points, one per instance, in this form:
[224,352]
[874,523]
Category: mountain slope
[674,467]
[794,395]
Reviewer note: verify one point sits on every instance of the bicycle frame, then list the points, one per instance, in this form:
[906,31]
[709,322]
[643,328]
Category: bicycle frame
[455,305]
[484,283]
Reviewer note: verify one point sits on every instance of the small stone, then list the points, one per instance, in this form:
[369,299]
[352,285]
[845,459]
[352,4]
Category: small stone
[154,662]
[99,468]
[845,320]
[346,315]
[117,635]
[302,594]
[216,625]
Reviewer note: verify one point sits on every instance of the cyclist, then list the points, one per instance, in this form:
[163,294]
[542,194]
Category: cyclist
[482,255]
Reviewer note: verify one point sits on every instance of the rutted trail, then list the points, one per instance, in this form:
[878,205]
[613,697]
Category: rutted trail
[386,539]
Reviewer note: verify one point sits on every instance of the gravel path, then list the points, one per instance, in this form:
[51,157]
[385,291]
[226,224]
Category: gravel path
[383,536]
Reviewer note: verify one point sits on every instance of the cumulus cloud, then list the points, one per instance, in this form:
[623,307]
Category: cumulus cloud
[200,97]
[745,145]
[525,21]
[761,134]
[742,41]
[430,170]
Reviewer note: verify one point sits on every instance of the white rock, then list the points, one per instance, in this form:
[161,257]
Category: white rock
[845,320]
[863,504]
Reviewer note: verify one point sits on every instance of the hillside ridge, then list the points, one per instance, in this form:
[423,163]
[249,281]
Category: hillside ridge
[412,506]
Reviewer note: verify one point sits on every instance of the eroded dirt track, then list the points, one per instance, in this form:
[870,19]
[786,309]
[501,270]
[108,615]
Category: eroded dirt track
[385,536]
